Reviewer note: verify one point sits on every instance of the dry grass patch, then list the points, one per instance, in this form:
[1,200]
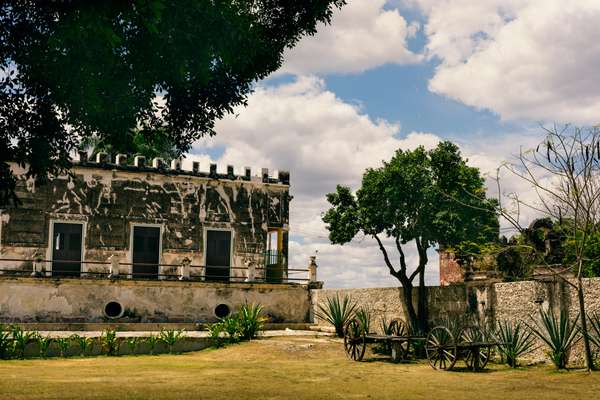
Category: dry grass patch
[278,368]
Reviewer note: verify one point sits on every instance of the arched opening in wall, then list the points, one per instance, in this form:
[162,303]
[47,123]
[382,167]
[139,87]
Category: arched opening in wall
[113,309]
[222,310]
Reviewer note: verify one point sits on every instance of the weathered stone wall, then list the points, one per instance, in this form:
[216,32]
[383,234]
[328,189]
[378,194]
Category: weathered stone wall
[109,199]
[80,300]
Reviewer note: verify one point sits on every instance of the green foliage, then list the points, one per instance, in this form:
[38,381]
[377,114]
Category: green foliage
[83,68]
[151,342]
[63,344]
[231,327]
[250,322]
[21,339]
[558,333]
[364,315]
[337,312]
[6,345]
[132,344]
[514,341]
[170,337]
[216,334]
[591,253]
[44,343]
[594,330]
[85,343]
[109,342]
[509,261]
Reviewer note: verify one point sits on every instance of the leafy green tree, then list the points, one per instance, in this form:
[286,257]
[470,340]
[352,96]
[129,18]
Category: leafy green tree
[421,197]
[72,69]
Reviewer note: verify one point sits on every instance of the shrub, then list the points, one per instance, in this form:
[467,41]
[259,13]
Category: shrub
[170,337]
[63,345]
[337,312]
[230,325]
[132,344]
[85,343]
[109,342]
[250,322]
[594,330]
[5,342]
[20,340]
[216,334]
[151,342]
[44,343]
[363,314]
[514,340]
[559,334]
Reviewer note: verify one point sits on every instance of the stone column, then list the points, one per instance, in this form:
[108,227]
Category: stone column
[38,266]
[312,269]
[114,267]
[184,269]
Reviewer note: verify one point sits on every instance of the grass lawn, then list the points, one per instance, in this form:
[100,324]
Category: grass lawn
[279,368]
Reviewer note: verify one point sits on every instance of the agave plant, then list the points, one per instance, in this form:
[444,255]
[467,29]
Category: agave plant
[170,337]
[337,312]
[21,339]
[230,324]
[594,332]
[132,344]
[85,343]
[558,333]
[44,343]
[215,332]
[250,322]
[514,341]
[5,342]
[63,345]
[151,341]
[110,342]
[364,314]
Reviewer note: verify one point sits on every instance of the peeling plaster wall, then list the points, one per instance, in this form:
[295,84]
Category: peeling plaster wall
[80,300]
[110,200]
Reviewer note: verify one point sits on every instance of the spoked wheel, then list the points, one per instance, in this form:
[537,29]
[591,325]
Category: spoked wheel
[441,348]
[400,349]
[476,357]
[354,340]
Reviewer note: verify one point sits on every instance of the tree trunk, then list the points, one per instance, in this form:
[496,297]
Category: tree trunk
[423,317]
[407,294]
[589,359]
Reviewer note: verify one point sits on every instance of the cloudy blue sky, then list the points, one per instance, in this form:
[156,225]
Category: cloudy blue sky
[394,74]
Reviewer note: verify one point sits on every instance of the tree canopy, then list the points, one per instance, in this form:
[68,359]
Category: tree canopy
[71,69]
[429,197]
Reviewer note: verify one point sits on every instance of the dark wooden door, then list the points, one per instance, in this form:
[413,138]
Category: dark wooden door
[146,252]
[218,255]
[66,249]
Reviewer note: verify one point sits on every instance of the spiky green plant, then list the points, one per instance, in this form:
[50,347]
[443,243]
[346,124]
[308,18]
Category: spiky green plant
[20,340]
[250,322]
[558,333]
[151,341]
[63,345]
[363,314]
[6,345]
[514,341]
[110,342]
[594,331]
[230,325]
[132,344]
[170,337]
[44,343]
[337,312]
[85,343]
[215,331]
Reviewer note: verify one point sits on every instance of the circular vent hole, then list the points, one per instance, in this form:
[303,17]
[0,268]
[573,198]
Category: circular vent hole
[113,309]
[222,310]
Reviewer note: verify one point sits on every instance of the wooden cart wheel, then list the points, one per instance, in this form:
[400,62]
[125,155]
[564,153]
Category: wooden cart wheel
[441,348]
[400,349]
[355,340]
[476,357]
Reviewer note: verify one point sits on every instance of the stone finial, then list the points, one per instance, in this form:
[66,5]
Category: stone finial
[176,164]
[114,267]
[195,167]
[284,177]
[247,173]
[158,162]
[121,160]
[213,170]
[139,161]
[312,269]
[230,174]
[184,269]
[250,271]
[83,156]
[265,175]
[102,158]
[38,266]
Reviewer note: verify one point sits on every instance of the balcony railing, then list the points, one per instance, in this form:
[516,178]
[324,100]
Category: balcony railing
[274,271]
